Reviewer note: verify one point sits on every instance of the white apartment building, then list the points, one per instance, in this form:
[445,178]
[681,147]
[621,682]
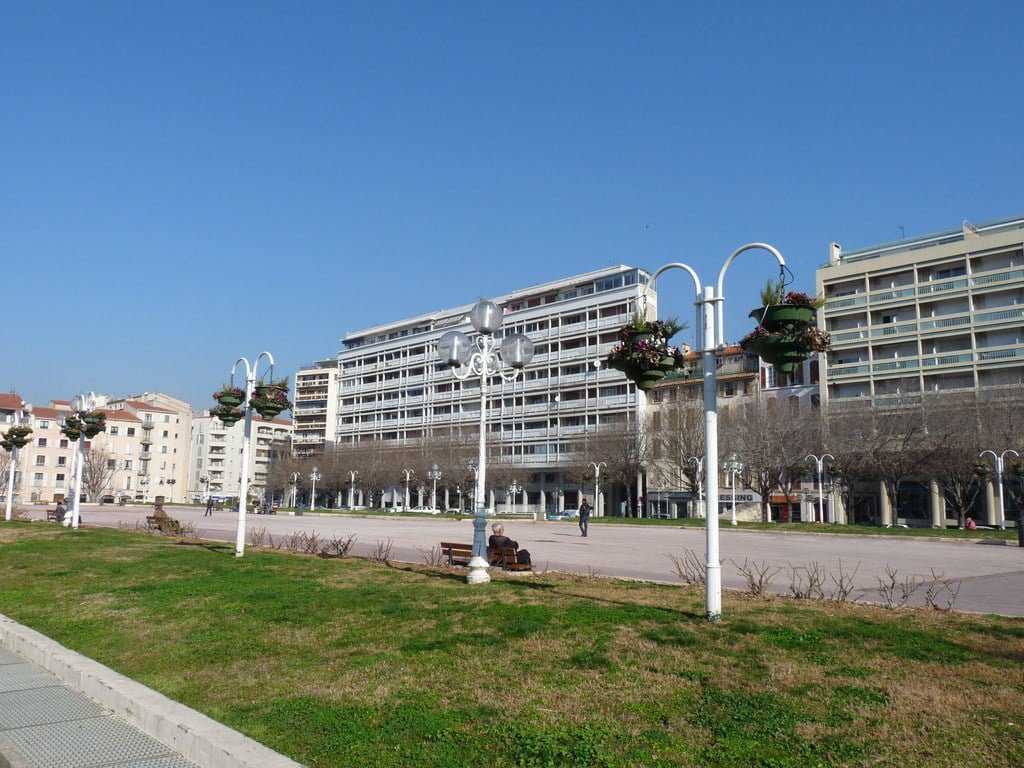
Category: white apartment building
[215,467]
[392,387]
[932,313]
[315,411]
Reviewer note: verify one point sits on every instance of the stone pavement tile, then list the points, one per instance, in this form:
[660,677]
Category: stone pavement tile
[37,706]
[9,657]
[97,741]
[21,676]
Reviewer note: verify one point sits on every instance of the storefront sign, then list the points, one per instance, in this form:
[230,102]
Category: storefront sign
[742,497]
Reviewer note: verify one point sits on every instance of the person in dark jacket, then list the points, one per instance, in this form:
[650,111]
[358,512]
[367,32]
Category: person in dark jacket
[209,507]
[499,539]
[585,511]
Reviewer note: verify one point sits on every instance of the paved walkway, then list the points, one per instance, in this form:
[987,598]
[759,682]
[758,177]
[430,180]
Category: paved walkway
[992,575]
[46,724]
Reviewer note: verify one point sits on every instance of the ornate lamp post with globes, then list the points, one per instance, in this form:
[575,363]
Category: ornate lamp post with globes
[313,477]
[434,474]
[14,440]
[455,350]
[732,466]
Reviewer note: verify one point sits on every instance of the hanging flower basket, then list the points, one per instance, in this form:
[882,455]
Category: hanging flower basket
[7,446]
[643,352]
[1018,470]
[982,470]
[17,436]
[785,335]
[93,422]
[268,400]
[230,396]
[229,416]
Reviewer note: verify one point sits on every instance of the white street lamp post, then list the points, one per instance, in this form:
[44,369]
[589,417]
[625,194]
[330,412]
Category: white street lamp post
[408,476]
[731,466]
[243,492]
[295,489]
[19,418]
[80,404]
[455,350]
[313,476]
[352,487]
[819,466]
[698,464]
[513,490]
[597,485]
[710,337]
[434,474]
[999,458]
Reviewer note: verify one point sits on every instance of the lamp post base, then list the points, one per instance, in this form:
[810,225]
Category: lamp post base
[478,571]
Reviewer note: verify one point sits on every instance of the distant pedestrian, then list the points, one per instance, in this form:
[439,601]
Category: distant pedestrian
[585,511]
[970,525]
[209,507]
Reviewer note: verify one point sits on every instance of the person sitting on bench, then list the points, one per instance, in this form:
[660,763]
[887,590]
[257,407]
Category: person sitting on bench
[498,540]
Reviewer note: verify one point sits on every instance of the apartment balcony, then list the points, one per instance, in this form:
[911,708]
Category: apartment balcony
[983,281]
[147,425]
[931,325]
[849,369]
[145,456]
[147,440]
[310,411]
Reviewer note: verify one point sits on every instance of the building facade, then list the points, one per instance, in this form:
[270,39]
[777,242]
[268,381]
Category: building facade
[215,466]
[934,313]
[315,412]
[392,388]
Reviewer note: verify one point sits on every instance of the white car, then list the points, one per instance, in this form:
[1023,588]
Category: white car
[428,510]
[565,514]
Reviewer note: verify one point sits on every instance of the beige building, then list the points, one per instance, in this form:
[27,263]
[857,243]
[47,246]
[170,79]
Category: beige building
[933,313]
[316,406]
[215,467]
[143,451]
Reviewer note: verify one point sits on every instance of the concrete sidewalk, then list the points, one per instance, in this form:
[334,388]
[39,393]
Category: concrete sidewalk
[46,724]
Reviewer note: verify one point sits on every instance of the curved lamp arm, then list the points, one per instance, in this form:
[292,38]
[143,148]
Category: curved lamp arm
[720,294]
[653,285]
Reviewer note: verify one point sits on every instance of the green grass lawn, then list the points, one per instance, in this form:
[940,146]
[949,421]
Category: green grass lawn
[871,530]
[352,663]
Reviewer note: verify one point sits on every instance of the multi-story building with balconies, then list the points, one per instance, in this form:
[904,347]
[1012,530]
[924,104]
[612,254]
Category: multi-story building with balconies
[933,313]
[392,388]
[215,467]
[315,411]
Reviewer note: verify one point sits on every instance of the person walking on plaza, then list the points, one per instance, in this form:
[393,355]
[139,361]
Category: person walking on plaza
[585,510]
[209,507]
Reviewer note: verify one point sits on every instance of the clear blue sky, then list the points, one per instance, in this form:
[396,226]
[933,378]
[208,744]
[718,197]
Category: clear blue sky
[184,183]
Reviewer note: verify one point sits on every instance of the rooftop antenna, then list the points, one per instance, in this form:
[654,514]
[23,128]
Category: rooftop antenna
[903,233]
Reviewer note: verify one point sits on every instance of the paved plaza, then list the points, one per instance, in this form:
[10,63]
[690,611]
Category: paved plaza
[46,724]
[992,574]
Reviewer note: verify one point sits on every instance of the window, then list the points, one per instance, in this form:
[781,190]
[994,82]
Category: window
[165,433]
[127,463]
[167,420]
[41,442]
[63,443]
[111,463]
[38,477]
[60,477]
[44,425]
[40,461]
[62,461]
[115,430]
[163,449]
[128,449]
[131,431]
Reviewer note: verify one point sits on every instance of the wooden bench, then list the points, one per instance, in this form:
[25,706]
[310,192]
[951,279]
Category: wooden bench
[457,554]
[505,558]
[51,516]
[163,524]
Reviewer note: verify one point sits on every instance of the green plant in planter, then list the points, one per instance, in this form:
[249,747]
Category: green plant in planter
[229,416]
[72,428]
[229,396]
[268,400]
[982,470]
[644,353]
[1017,470]
[17,437]
[93,422]
[787,345]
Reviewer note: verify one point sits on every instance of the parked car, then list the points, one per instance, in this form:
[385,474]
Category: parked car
[428,510]
[565,514]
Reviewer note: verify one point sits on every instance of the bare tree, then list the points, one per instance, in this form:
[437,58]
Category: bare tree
[676,432]
[772,439]
[954,442]
[98,469]
[625,450]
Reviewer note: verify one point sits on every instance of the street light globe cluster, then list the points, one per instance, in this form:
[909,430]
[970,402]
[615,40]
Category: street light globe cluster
[481,358]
